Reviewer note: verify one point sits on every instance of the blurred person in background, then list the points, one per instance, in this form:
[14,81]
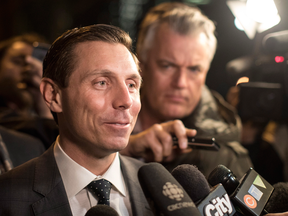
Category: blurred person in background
[22,107]
[175,46]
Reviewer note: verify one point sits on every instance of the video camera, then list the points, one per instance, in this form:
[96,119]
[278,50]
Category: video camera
[265,96]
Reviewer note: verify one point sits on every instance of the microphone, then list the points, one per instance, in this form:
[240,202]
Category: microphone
[250,195]
[192,180]
[164,193]
[102,210]
[214,202]
[279,198]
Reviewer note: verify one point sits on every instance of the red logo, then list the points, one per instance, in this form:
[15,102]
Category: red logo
[250,201]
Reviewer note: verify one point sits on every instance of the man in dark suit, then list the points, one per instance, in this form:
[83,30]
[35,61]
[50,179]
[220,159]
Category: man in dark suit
[91,84]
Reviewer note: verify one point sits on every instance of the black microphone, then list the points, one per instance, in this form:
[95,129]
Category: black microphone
[214,202]
[278,201]
[164,193]
[102,210]
[192,180]
[249,195]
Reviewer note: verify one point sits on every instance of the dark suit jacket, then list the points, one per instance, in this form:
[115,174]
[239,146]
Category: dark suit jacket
[21,147]
[36,188]
[43,129]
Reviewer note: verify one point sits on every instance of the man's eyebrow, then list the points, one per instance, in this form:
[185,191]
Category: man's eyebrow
[165,61]
[136,76]
[106,72]
[100,72]
[176,65]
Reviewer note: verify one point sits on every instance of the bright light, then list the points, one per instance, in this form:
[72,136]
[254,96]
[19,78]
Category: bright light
[254,15]
[242,80]
[238,24]
[279,59]
[261,11]
[269,24]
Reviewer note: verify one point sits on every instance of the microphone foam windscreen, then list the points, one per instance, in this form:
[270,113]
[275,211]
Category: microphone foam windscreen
[164,193]
[192,180]
[218,175]
[102,210]
[278,201]
[225,176]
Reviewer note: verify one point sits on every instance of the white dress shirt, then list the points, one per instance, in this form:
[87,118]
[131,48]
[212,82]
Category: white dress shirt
[76,178]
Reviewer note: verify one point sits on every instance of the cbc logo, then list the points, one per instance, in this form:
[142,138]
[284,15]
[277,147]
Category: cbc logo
[172,191]
[250,201]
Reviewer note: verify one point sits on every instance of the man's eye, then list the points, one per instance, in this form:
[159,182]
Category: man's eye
[165,65]
[102,83]
[194,69]
[131,85]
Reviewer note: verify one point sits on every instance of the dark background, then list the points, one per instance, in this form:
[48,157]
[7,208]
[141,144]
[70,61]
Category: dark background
[51,18]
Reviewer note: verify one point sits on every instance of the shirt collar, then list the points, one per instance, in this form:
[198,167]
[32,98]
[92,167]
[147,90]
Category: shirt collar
[75,177]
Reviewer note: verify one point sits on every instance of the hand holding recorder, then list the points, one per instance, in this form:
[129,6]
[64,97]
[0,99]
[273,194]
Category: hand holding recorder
[156,143]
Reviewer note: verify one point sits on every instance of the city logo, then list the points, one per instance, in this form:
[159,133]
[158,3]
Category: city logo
[219,206]
[173,191]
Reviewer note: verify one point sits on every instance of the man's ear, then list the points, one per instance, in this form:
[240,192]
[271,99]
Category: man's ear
[51,94]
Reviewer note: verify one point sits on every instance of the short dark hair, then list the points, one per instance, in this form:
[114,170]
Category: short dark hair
[60,59]
[28,38]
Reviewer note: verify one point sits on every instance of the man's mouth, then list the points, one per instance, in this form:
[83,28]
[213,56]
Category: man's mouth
[176,98]
[121,124]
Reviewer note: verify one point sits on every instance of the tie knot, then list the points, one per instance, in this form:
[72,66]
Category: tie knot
[101,189]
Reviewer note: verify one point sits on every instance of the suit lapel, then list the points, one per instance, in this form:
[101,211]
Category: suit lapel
[138,201]
[48,182]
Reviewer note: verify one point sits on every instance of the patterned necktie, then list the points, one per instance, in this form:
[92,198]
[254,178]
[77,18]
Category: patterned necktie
[101,188]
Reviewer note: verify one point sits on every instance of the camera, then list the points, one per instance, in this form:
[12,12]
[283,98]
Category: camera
[265,96]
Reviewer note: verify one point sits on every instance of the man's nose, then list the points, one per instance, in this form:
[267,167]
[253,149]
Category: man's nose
[180,78]
[122,98]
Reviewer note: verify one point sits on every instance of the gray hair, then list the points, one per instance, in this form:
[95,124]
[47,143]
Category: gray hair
[183,19]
